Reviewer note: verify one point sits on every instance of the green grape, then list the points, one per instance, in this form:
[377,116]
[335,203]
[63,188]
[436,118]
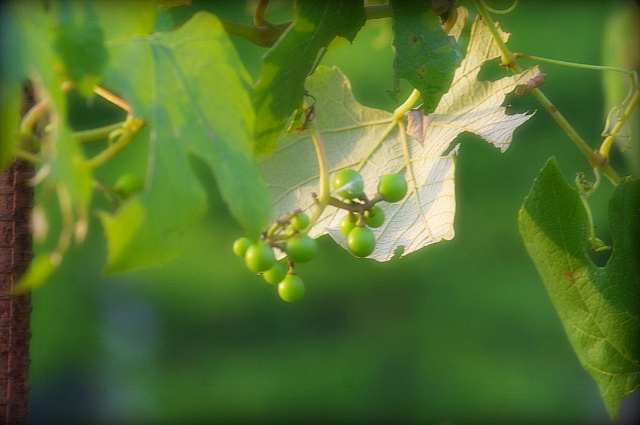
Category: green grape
[348,184]
[361,241]
[259,257]
[392,187]
[291,288]
[126,185]
[347,224]
[241,245]
[300,221]
[276,273]
[301,248]
[375,216]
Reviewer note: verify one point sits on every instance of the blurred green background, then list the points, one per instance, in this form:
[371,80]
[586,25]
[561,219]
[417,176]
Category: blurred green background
[459,332]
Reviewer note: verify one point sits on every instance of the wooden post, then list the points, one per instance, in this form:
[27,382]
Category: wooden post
[16,200]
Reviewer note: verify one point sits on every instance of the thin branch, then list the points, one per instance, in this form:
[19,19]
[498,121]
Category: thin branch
[509,60]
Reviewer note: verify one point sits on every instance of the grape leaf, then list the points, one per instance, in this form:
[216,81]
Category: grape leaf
[121,19]
[425,55]
[192,89]
[280,87]
[370,141]
[599,307]
[80,43]
[32,35]
[37,57]
[63,41]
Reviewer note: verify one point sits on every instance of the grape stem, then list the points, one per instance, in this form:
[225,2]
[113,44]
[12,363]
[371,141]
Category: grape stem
[358,207]
[406,105]
[323,199]
[631,100]
[510,60]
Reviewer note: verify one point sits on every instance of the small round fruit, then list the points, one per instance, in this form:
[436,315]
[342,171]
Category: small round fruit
[291,289]
[126,185]
[392,187]
[259,257]
[361,241]
[375,216]
[276,273]
[300,221]
[348,183]
[241,245]
[347,224]
[301,248]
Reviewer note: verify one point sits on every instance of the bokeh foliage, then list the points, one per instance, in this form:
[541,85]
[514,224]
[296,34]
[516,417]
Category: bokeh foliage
[462,331]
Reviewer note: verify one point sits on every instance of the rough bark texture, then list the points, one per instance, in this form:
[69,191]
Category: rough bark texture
[16,197]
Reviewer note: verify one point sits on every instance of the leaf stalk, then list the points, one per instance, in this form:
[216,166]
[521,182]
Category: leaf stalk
[324,196]
[406,105]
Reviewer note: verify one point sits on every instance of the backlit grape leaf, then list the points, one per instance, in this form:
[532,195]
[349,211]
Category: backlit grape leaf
[599,306]
[280,87]
[194,92]
[424,55]
[369,141]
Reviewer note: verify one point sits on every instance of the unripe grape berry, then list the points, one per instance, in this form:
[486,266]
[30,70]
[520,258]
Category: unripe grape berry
[300,221]
[241,245]
[291,288]
[392,187]
[348,184]
[361,241]
[259,257]
[374,216]
[301,248]
[126,185]
[276,273]
[347,224]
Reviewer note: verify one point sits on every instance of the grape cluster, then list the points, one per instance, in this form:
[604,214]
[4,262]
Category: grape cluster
[287,236]
[363,213]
